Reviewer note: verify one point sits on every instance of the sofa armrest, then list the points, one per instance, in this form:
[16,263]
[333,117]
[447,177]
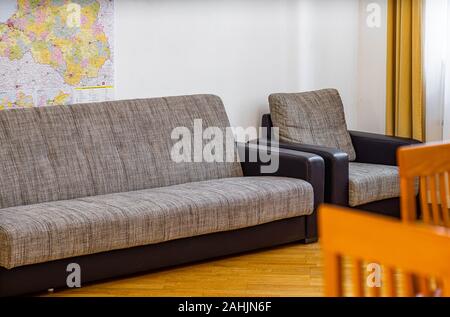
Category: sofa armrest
[378,149]
[293,164]
[336,170]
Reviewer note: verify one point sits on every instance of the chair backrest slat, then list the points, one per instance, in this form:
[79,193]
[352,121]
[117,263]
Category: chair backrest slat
[390,282]
[426,214]
[408,201]
[408,285]
[444,193]
[424,286]
[357,278]
[333,274]
[434,202]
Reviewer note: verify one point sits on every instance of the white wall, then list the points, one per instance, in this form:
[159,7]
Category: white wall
[241,50]
[328,48]
[372,52]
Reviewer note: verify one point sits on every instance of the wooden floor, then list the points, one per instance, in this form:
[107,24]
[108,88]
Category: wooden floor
[294,270]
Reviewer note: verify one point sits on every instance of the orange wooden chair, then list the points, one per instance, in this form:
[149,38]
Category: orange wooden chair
[431,164]
[417,249]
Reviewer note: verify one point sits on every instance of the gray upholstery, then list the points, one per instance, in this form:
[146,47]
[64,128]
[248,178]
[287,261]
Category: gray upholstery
[369,183]
[314,118]
[66,152]
[54,230]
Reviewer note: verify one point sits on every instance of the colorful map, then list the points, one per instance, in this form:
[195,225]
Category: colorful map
[55,52]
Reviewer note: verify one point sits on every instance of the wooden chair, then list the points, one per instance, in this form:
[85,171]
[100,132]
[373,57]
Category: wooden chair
[417,249]
[431,164]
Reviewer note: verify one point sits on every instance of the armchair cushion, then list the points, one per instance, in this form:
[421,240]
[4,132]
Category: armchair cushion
[370,182]
[314,118]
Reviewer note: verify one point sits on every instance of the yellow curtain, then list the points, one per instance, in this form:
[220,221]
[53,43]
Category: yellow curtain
[405,113]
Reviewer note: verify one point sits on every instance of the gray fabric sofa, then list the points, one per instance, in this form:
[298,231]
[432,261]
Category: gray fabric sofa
[95,185]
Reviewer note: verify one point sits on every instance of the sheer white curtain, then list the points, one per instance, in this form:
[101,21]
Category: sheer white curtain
[447,78]
[437,68]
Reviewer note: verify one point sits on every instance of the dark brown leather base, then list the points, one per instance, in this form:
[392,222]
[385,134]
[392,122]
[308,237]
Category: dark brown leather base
[41,277]
[387,207]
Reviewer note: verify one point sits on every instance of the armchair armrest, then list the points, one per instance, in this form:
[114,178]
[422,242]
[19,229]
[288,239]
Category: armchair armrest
[293,164]
[378,149]
[266,122]
[336,169]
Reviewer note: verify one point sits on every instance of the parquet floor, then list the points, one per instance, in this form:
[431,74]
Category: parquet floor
[293,270]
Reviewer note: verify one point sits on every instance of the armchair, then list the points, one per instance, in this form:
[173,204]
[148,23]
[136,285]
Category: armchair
[360,168]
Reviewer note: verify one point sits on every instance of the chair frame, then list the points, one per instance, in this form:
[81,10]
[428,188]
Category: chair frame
[346,233]
[431,164]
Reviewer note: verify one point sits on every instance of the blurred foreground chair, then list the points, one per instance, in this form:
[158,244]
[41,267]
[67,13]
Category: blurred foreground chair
[431,164]
[410,248]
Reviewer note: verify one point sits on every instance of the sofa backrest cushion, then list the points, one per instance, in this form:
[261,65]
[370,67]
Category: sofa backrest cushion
[66,152]
[314,118]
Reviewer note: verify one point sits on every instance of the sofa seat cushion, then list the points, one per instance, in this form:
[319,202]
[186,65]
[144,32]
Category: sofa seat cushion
[63,229]
[369,183]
